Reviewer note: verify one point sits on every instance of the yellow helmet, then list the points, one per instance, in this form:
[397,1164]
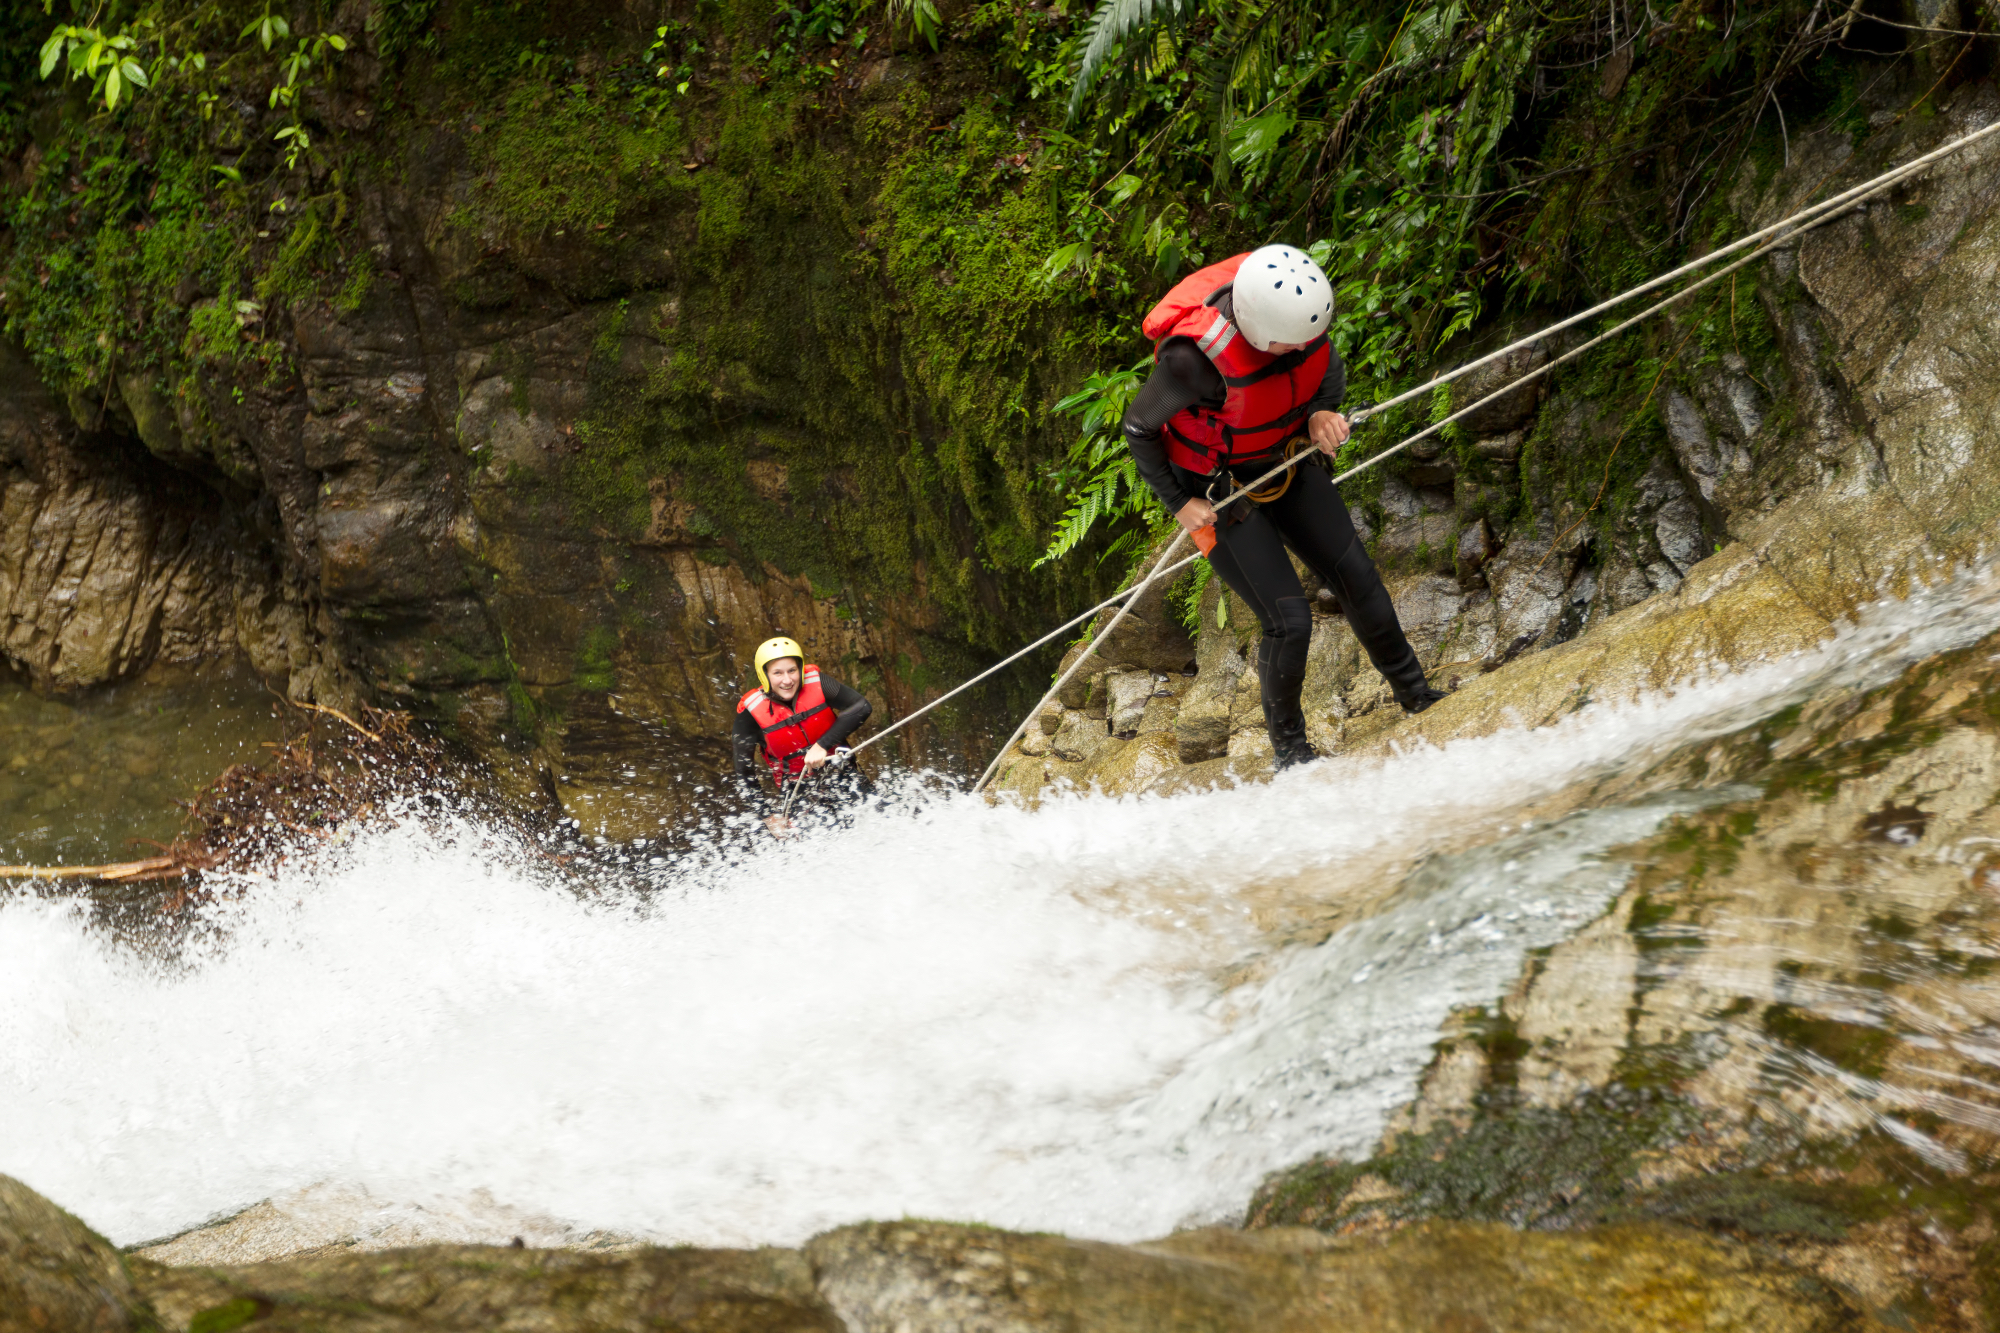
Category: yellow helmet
[770,651]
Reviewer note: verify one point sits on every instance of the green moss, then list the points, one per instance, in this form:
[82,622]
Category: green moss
[595,670]
[901,387]
[1858,1047]
[101,241]
[561,160]
[1589,1164]
[1528,1166]
[400,26]
[223,1318]
[1648,915]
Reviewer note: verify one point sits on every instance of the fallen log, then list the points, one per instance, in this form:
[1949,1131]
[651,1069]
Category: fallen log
[117,872]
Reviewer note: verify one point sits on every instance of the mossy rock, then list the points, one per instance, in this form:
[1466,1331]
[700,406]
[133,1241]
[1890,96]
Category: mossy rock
[59,1276]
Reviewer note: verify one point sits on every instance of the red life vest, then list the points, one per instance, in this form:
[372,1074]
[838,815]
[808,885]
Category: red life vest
[1267,395]
[790,729]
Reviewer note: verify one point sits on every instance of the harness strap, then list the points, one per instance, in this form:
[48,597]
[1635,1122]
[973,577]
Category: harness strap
[1227,454]
[1272,492]
[1280,365]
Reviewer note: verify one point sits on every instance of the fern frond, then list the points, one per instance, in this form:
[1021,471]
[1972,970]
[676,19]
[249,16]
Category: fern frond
[1110,24]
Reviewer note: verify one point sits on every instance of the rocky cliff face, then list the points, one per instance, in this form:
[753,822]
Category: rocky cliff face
[530,401]
[1820,440]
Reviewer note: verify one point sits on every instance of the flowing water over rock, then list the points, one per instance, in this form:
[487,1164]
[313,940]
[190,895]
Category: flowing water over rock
[1761,911]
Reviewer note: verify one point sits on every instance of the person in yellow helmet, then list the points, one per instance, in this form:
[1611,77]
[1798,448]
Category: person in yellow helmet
[797,718]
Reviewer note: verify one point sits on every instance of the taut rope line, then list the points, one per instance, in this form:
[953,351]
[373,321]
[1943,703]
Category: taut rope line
[1433,428]
[1773,236]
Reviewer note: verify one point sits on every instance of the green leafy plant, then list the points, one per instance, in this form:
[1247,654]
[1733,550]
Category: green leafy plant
[810,40]
[671,58]
[297,65]
[1116,23]
[268,29]
[108,60]
[1184,598]
[919,16]
[1098,474]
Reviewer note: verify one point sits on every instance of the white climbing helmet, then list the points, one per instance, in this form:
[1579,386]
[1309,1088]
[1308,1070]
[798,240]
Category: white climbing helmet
[1281,297]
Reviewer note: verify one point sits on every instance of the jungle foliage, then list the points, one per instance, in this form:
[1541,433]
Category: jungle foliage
[987,228]
[1445,161]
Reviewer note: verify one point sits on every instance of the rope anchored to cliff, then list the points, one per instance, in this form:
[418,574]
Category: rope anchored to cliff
[1757,245]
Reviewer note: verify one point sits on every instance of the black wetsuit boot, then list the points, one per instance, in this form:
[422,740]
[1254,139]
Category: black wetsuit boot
[1412,691]
[1287,730]
[1281,676]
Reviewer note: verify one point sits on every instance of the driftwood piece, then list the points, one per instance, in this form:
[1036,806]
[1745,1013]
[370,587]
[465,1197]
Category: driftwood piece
[117,872]
[257,814]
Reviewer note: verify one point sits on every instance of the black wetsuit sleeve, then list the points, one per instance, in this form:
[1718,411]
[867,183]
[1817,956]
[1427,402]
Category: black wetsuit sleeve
[746,740]
[1332,386]
[1181,378]
[851,709]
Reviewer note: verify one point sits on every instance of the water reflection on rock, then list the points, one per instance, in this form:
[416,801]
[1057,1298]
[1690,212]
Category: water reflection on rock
[1786,1029]
[82,777]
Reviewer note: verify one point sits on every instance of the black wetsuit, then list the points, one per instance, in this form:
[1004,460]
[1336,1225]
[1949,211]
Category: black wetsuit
[840,781]
[1250,555]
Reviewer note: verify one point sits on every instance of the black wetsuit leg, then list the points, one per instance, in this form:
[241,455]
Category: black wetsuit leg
[1316,524]
[831,795]
[1250,557]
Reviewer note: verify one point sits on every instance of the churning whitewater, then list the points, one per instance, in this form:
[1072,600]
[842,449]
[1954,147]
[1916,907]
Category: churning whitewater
[1076,1019]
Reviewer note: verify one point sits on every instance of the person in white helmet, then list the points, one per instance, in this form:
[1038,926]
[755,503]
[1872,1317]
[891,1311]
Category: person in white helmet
[1242,369]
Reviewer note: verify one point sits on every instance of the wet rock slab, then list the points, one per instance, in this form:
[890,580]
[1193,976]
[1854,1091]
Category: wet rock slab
[910,1277]
[896,1276]
[466,1287]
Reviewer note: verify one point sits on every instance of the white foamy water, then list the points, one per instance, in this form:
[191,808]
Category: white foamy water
[954,1010]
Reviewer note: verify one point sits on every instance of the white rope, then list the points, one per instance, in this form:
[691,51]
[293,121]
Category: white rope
[1825,209]
[1160,567]
[1433,428]
[1801,221]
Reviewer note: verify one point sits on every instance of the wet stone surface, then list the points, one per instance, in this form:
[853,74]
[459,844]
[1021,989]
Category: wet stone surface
[1783,1033]
[81,777]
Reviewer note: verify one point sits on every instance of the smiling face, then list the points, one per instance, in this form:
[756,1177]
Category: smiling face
[783,673]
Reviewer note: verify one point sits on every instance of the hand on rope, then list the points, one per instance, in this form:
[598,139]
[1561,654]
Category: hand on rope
[1328,431]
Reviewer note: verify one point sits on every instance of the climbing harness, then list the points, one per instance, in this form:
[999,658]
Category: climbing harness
[1270,493]
[1757,244]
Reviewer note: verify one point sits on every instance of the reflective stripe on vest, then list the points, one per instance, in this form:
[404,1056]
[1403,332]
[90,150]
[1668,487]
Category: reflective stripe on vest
[1266,396]
[790,730]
